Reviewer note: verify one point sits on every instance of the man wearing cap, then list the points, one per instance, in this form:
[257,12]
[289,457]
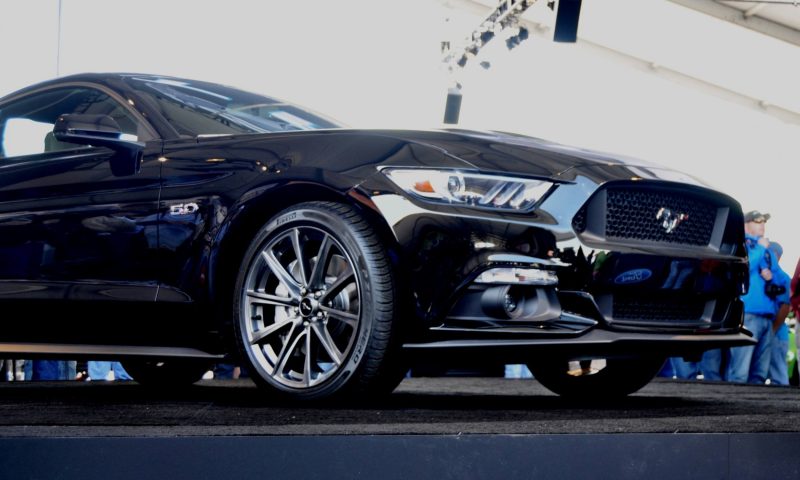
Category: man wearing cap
[778,371]
[751,363]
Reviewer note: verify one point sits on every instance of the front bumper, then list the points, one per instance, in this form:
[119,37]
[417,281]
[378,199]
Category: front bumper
[592,344]
[620,289]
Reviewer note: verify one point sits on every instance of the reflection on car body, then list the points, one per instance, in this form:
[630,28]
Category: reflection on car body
[230,225]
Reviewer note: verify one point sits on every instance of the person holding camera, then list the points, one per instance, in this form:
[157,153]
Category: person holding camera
[779,289]
[751,363]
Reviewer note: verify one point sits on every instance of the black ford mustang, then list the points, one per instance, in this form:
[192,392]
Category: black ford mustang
[175,223]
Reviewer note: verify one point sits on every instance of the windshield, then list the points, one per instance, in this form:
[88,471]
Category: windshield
[200,108]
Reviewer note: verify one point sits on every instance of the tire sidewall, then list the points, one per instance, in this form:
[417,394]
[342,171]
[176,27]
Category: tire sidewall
[323,219]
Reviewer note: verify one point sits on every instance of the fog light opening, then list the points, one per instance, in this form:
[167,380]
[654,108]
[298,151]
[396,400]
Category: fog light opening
[506,302]
[510,303]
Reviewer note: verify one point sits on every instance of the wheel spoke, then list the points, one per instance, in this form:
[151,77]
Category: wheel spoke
[313,269]
[267,299]
[259,335]
[288,347]
[318,273]
[298,252]
[344,280]
[307,367]
[347,317]
[327,342]
[283,276]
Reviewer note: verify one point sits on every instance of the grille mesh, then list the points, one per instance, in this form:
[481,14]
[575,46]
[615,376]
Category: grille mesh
[579,221]
[631,214]
[657,310]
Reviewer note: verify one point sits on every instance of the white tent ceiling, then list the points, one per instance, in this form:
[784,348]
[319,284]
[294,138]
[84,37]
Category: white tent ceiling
[777,18]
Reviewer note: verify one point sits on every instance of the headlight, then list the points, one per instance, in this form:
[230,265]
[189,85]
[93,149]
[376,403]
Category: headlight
[469,189]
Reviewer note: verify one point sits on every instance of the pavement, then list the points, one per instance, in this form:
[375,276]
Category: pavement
[438,406]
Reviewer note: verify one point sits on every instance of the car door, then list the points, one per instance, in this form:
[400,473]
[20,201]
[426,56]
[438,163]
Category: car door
[77,243]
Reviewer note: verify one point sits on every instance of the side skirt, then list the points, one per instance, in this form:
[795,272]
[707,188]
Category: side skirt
[99,352]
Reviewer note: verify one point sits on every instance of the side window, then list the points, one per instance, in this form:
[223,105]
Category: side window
[26,125]
[24,137]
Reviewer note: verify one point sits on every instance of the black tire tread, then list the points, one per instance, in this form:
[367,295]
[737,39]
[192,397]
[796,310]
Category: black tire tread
[375,365]
[379,371]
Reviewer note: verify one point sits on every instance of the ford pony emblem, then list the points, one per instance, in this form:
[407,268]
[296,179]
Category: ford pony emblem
[670,219]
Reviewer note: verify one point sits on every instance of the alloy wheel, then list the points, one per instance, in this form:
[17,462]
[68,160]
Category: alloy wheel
[301,305]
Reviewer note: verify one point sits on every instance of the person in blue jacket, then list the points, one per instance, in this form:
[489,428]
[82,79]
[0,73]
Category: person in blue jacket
[778,370]
[751,363]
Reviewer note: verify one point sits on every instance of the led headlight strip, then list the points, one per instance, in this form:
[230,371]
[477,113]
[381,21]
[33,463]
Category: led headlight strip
[469,189]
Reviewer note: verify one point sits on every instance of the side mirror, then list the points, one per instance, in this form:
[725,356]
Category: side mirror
[101,131]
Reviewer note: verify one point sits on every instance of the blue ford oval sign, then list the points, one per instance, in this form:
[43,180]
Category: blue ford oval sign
[633,276]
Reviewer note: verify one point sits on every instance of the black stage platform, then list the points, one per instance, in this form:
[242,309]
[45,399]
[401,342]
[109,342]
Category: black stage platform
[430,428]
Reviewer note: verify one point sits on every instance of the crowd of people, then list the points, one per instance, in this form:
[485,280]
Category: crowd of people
[44,370]
[767,304]
[48,370]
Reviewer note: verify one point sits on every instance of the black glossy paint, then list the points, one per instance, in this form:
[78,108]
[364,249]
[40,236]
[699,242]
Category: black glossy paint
[166,242]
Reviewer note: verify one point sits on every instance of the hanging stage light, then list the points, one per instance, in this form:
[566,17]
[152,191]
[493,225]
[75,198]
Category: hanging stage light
[567,18]
[452,107]
[505,16]
[512,42]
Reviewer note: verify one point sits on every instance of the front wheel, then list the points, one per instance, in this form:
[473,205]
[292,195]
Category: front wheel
[598,378]
[314,305]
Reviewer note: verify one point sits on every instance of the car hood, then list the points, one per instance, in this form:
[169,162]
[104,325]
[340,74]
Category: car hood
[489,152]
[518,154]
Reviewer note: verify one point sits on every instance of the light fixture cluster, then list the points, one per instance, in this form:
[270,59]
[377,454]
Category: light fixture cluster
[514,40]
[506,15]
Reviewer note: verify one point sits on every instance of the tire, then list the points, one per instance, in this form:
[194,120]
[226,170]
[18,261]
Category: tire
[306,332]
[170,373]
[611,378]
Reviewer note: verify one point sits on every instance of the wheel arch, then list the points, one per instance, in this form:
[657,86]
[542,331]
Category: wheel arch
[232,242]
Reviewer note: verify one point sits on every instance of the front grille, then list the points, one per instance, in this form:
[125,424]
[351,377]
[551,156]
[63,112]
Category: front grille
[643,310]
[632,214]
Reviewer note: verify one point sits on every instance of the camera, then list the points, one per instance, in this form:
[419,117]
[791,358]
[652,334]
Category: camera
[772,290]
